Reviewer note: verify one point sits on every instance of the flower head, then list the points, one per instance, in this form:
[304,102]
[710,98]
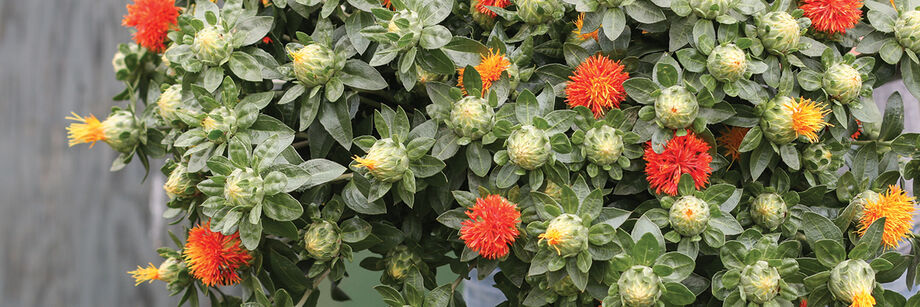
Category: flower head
[213,257]
[579,23]
[482,6]
[851,281]
[832,16]
[152,19]
[142,274]
[689,216]
[492,226]
[676,107]
[597,84]
[386,4]
[639,286]
[566,234]
[386,160]
[120,130]
[760,282]
[490,70]
[807,117]
[898,210]
[85,130]
[730,141]
[686,154]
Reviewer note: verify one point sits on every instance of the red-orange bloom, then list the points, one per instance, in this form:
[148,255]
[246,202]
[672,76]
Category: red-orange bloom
[386,4]
[855,135]
[597,84]
[686,154]
[481,6]
[152,19]
[730,141]
[492,226]
[267,40]
[213,257]
[833,16]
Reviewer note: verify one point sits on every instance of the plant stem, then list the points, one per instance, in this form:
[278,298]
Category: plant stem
[880,143]
[343,177]
[301,144]
[456,283]
[306,294]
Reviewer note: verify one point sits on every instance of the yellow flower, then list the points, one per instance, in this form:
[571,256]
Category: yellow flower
[553,237]
[807,117]
[863,298]
[898,210]
[85,130]
[579,23]
[143,274]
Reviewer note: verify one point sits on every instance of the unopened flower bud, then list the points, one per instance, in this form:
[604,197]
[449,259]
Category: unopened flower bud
[471,117]
[603,145]
[776,122]
[760,282]
[727,63]
[860,201]
[399,261]
[180,183]
[639,287]
[852,281]
[121,130]
[566,235]
[711,9]
[779,32]
[907,30]
[244,187]
[676,107]
[169,270]
[220,120]
[314,64]
[386,160]
[842,82]
[768,210]
[412,26]
[539,11]
[529,147]
[212,46]
[323,240]
[820,158]
[169,103]
[689,215]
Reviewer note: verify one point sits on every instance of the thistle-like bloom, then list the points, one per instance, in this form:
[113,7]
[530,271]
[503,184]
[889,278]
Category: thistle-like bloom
[120,130]
[142,274]
[730,141]
[566,235]
[87,130]
[807,117]
[686,154]
[833,16]
[152,19]
[482,6]
[386,4]
[851,281]
[386,160]
[579,23]
[490,70]
[493,225]
[597,84]
[213,257]
[898,210]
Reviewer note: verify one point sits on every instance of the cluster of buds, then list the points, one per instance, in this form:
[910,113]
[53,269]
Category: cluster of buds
[537,12]
[322,240]
[727,63]
[676,107]
[842,82]
[220,121]
[907,30]
[471,117]
[779,32]
[387,160]
[768,210]
[244,188]
[169,104]
[528,147]
[852,281]
[760,282]
[603,145]
[566,234]
[212,45]
[820,158]
[400,261]
[638,286]
[314,64]
[711,9]
[180,183]
[689,216]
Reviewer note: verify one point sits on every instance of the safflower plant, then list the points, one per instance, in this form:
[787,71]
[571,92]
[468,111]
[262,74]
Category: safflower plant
[582,152]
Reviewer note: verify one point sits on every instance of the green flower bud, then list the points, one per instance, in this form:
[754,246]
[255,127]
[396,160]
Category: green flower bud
[676,107]
[768,210]
[471,117]
[387,160]
[639,287]
[689,215]
[760,282]
[820,158]
[852,279]
[180,183]
[907,30]
[842,82]
[565,287]
[412,26]
[323,240]
[603,145]
[712,8]
[776,122]
[243,187]
[314,64]
[861,200]
[553,190]
[122,131]
[399,261]
[169,270]
[528,147]
[566,234]
[212,46]
[169,103]
[220,120]
[727,63]
[539,11]
[779,32]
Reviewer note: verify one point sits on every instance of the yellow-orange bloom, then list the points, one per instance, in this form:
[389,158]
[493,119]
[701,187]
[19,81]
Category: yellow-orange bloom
[490,70]
[597,84]
[863,299]
[898,210]
[142,274]
[807,117]
[553,237]
[370,164]
[730,141]
[579,23]
[85,130]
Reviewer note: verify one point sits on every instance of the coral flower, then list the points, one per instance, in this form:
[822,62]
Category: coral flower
[579,23]
[142,274]
[730,141]
[807,117]
[152,19]
[898,210]
[490,69]
[863,298]
[482,6]
[686,154]
[492,226]
[597,84]
[386,4]
[85,130]
[213,257]
[833,16]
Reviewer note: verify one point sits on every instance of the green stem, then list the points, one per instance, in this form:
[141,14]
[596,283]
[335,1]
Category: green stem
[306,294]
[880,143]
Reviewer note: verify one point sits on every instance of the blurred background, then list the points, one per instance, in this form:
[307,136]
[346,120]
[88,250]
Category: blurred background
[69,228]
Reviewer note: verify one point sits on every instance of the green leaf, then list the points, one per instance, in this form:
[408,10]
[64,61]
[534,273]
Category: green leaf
[870,241]
[440,296]
[250,234]
[644,12]
[336,119]
[434,37]
[479,159]
[667,74]
[282,207]
[319,171]
[254,28]
[355,229]
[751,140]
[760,158]
[360,75]
[829,252]
[681,266]
[817,227]
[893,120]
[641,89]
[676,293]
[426,166]
[245,66]
[646,250]
[614,22]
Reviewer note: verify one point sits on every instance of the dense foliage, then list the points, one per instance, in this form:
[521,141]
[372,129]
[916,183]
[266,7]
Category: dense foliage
[615,152]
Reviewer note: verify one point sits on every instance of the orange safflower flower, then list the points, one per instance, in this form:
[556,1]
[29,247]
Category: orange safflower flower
[833,16]
[482,6]
[597,84]
[807,117]
[152,19]
[730,141]
[686,154]
[213,257]
[898,210]
[579,23]
[491,227]
[490,70]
